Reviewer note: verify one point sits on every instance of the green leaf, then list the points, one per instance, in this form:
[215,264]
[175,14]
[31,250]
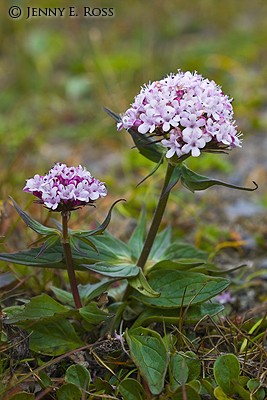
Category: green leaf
[180,250]
[69,391]
[32,257]
[87,292]
[191,394]
[92,290]
[22,396]
[161,243]
[39,307]
[193,181]
[50,241]
[254,386]
[54,338]
[193,363]
[100,229]
[34,225]
[226,369]
[184,264]
[173,315]
[220,395]
[109,249]
[176,175]
[92,314]
[149,354]
[141,284]
[179,288]
[79,376]
[115,271]
[153,170]
[131,389]
[145,145]
[136,241]
[178,371]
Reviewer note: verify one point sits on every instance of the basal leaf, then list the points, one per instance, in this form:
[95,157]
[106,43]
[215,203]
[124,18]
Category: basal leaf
[35,225]
[114,271]
[178,371]
[173,315]
[226,369]
[184,264]
[39,307]
[187,390]
[193,181]
[69,391]
[220,395]
[182,250]
[179,288]
[92,290]
[92,314]
[141,284]
[79,376]
[149,354]
[54,338]
[131,389]
[161,243]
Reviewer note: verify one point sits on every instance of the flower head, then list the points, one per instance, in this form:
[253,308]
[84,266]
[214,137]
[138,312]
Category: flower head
[66,188]
[188,112]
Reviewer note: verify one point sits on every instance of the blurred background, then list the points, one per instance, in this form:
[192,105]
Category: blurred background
[57,74]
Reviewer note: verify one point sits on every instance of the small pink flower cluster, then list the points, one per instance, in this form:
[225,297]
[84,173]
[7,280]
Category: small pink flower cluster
[187,111]
[65,188]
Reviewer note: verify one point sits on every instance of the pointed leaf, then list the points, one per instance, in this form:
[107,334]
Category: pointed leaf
[136,241]
[176,175]
[161,243]
[75,244]
[141,284]
[153,171]
[193,181]
[179,288]
[109,248]
[149,354]
[92,314]
[115,271]
[178,371]
[173,315]
[50,241]
[145,145]
[31,257]
[54,337]
[181,250]
[100,229]
[39,307]
[34,225]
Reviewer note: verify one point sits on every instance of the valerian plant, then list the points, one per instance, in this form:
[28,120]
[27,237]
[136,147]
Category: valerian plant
[149,280]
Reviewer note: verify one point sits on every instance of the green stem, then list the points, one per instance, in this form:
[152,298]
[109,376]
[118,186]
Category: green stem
[69,260]
[156,219]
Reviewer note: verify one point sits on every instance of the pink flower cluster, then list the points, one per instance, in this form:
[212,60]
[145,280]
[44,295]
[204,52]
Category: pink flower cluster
[187,111]
[65,188]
